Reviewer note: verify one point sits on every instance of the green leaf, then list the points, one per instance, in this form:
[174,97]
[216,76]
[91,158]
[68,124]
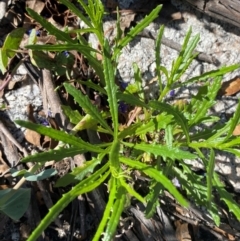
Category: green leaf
[191,183]
[211,74]
[91,85]
[95,11]
[32,37]
[157,56]
[203,102]
[14,203]
[85,50]
[133,88]
[13,41]
[131,191]
[118,27]
[179,117]
[88,122]
[111,87]
[189,45]
[185,57]
[232,142]
[60,135]
[63,63]
[210,172]
[168,137]
[234,120]
[157,175]
[137,84]
[16,173]
[226,197]
[3,61]
[108,209]
[220,131]
[63,47]
[130,130]
[214,212]
[132,100]
[86,104]
[153,199]
[60,35]
[155,124]
[216,144]
[78,173]
[87,185]
[40,176]
[117,210]
[56,155]
[164,151]
[73,115]
[60,65]
[233,151]
[75,10]
[42,60]
[136,30]
[114,157]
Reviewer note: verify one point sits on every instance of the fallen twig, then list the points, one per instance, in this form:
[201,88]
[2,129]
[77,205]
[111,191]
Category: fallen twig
[8,134]
[208,58]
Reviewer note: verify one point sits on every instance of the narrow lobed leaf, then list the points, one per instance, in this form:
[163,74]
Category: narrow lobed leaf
[117,210]
[56,155]
[137,29]
[111,87]
[75,10]
[78,173]
[108,208]
[158,176]
[179,117]
[85,103]
[164,151]
[60,135]
[60,35]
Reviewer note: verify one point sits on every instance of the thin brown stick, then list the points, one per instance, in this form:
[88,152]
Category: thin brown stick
[208,58]
[8,134]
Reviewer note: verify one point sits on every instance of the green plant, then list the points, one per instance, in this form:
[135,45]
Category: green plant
[163,134]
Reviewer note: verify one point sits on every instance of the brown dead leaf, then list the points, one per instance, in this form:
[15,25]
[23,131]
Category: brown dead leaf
[230,87]
[50,39]
[2,89]
[30,113]
[3,165]
[53,143]
[98,55]
[49,143]
[182,231]
[126,18]
[37,139]
[176,16]
[35,5]
[46,142]
[11,84]
[55,23]
[236,131]
[224,232]
[33,137]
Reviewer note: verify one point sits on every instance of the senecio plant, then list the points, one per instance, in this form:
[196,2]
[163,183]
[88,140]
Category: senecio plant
[157,144]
